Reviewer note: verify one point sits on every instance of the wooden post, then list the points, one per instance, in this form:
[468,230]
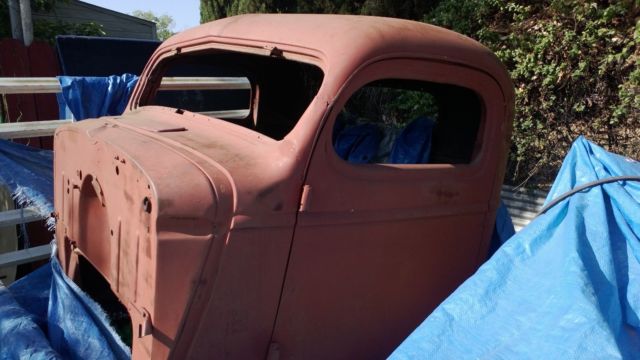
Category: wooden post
[27,24]
[14,17]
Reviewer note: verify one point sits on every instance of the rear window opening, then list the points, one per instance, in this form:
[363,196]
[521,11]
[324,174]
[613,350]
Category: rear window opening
[263,93]
[96,286]
[396,121]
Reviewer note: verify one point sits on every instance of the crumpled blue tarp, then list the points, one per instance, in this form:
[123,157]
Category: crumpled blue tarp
[567,286]
[45,315]
[92,97]
[358,144]
[503,229]
[413,145]
[28,173]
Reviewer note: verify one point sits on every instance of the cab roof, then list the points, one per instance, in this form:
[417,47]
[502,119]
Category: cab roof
[348,41]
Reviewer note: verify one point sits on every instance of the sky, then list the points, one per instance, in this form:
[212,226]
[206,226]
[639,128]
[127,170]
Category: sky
[185,13]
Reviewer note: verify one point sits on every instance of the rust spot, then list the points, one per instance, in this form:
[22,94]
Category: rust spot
[445,194]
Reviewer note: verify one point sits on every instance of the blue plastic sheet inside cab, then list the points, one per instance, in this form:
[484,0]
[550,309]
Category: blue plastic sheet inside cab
[28,174]
[413,145]
[92,97]
[359,144]
[565,287]
[46,316]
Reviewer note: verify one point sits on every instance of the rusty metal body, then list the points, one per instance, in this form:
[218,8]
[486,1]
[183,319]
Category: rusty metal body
[223,243]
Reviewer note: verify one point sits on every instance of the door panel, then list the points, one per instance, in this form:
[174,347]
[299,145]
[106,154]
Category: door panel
[378,246]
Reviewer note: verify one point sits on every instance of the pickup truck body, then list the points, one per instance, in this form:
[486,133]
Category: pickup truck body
[250,237]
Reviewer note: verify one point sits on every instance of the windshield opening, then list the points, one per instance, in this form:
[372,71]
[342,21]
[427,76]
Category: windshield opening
[261,93]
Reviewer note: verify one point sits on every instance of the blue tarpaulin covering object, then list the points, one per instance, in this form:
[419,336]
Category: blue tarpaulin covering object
[46,316]
[503,229]
[359,144]
[92,97]
[28,173]
[413,145]
[565,287]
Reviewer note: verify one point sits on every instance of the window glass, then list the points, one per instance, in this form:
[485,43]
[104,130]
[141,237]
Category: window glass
[397,121]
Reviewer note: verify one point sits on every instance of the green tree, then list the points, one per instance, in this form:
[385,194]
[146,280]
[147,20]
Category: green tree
[407,9]
[164,23]
[576,69]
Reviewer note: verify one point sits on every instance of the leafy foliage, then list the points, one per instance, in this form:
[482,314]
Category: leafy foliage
[575,69]
[164,23]
[575,65]
[47,30]
[408,9]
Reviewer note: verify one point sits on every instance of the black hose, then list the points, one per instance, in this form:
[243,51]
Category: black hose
[588,185]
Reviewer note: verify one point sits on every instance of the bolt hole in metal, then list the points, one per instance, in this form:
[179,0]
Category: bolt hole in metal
[146,205]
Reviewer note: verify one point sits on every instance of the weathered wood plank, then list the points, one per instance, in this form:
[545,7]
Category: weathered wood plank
[19,216]
[29,129]
[25,256]
[47,85]
[226,114]
[205,83]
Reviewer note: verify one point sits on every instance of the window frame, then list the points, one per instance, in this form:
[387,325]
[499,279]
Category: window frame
[149,82]
[482,84]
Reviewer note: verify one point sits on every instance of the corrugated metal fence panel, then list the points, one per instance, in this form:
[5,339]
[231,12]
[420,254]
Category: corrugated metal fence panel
[523,205]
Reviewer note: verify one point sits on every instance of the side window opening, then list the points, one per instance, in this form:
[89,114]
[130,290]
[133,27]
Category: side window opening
[275,94]
[395,121]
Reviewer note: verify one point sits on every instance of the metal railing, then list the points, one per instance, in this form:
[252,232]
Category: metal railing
[50,85]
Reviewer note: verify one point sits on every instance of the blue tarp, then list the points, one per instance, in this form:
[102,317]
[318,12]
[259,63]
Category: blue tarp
[45,315]
[413,145]
[28,173]
[92,97]
[359,144]
[565,287]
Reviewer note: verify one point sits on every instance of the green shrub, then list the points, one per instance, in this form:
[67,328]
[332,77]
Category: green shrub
[575,70]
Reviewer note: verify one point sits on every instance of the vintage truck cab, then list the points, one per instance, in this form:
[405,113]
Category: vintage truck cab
[320,202]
